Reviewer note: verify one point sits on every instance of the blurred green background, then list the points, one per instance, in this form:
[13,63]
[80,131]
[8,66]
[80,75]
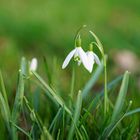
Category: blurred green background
[37,28]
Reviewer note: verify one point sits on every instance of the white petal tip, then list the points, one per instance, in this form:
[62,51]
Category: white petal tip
[63,67]
[90,71]
[68,58]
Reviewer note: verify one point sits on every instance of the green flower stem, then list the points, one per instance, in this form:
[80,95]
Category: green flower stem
[105,87]
[78,35]
[100,47]
[72,87]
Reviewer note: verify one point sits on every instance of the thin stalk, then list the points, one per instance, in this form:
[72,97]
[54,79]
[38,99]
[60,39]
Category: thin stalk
[100,47]
[22,130]
[34,116]
[105,88]
[72,86]
[78,33]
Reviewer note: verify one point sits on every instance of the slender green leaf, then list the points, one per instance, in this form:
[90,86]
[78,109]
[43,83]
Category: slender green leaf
[137,110]
[55,96]
[35,118]
[113,83]
[55,118]
[58,135]
[18,99]
[92,81]
[56,104]
[118,108]
[47,70]
[4,110]
[46,134]
[84,132]
[23,66]
[76,116]
[92,106]
[33,115]
[107,132]
[99,96]
[121,97]
[22,130]
[4,93]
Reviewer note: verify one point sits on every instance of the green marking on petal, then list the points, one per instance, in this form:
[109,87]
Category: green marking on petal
[76,58]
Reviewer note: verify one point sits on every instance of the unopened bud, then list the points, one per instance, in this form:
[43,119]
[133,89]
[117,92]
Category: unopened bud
[33,64]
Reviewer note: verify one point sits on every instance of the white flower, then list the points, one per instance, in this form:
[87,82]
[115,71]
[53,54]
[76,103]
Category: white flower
[33,64]
[92,58]
[79,55]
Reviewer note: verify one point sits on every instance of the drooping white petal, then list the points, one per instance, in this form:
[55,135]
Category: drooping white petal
[68,58]
[97,60]
[76,54]
[83,58]
[33,64]
[90,58]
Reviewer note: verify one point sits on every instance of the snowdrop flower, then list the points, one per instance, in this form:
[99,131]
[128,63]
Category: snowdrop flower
[92,58]
[33,64]
[78,54]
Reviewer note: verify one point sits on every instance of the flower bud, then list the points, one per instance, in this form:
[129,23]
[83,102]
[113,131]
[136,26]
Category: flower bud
[33,64]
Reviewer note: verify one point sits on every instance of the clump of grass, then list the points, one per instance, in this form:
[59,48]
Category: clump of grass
[83,116]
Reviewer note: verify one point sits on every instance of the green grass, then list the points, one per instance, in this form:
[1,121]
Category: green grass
[43,109]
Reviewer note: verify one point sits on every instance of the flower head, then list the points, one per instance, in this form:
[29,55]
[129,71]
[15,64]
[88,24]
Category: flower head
[33,64]
[92,58]
[78,54]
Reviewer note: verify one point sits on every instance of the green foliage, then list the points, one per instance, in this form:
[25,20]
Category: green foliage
[76,117]
[84,119]
[121,97]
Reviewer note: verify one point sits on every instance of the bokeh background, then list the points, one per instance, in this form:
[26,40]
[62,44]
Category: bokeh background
[37,28]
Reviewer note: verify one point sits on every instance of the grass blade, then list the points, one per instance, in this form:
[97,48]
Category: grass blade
[121,97]
[137,110]
[99,96]
[46,135]
[33,115]
[92,81]
[113,83]
[4,93]
[35,118]
[4,111]
[55,96]
[55,119]
[18,99]
[76,116]
[20,129]
[47,70]
[107,132]
[85,134]
[58,135]
[24,66]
